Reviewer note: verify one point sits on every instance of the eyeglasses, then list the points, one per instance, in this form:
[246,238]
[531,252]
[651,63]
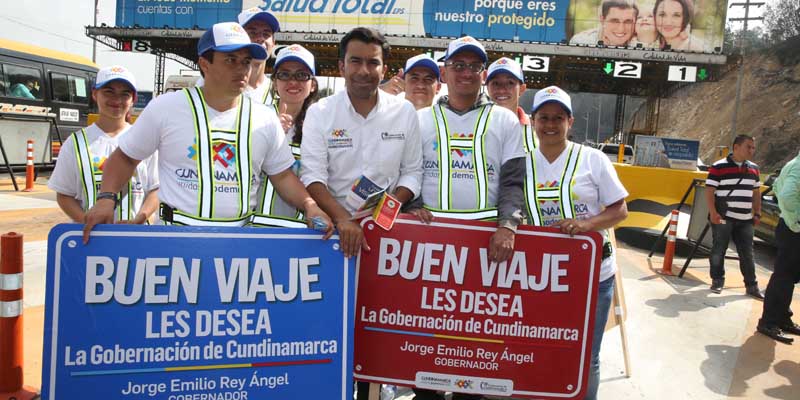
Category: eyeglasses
[460,66]
[299,76]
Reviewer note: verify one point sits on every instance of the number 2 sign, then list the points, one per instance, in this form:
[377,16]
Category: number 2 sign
[625,69]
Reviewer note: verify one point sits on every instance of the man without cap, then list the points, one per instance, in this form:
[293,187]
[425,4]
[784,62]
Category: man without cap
[82,159]
[421,77]
[505,84]
[459,125]
[361,139]
[776,318]
[617,25]
[216,145]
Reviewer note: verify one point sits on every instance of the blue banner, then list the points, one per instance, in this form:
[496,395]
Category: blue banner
[197,313]
[172,14]
[681,149]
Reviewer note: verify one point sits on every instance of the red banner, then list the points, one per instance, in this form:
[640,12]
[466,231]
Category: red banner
[433,312]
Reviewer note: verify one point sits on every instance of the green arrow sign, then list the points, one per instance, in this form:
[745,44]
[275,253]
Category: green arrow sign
[609,67]
[702,74]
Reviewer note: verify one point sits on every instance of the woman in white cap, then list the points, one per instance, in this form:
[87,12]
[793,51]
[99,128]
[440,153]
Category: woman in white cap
[594,201]
[79,170]
[294,89]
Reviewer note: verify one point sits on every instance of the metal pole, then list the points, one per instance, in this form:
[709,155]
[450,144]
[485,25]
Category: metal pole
[599,113]
[746,5]
[94,41]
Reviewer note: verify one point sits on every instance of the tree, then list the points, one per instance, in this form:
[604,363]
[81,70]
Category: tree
[782,19]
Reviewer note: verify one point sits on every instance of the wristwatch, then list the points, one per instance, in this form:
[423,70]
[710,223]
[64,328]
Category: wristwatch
[109,196]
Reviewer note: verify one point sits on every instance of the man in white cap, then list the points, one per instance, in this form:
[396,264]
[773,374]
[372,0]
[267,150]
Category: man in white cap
[421,77]
[261,26]
[470,146]
[82,160]
[505,84]
[215,145]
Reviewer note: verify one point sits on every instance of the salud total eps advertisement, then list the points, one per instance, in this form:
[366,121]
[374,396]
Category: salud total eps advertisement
[675,25]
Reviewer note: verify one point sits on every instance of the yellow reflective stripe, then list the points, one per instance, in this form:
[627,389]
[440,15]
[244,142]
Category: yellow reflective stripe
[566,205]
[181,218]
[533,195]
[529,138]
[479,159]
[476,143]
[444,156]
[84,160]
[204,172]
[471,215]
[276,221]
[243,153]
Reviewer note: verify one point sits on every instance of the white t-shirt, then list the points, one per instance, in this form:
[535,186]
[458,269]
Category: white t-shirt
[66,178]
[339,145]
[596,185]
[167,126]
[279,206]
[502,142]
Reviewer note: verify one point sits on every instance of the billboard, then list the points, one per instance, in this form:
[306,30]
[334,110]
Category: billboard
[653,151]
[678,25]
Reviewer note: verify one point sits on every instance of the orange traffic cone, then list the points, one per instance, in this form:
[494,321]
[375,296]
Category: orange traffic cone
[669,251]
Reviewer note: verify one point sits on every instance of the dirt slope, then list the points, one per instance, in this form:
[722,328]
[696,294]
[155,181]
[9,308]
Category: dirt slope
[769,110]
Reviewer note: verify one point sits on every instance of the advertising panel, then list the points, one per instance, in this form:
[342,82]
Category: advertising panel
[678,25]
[433,312]
[652,151]
[181,313]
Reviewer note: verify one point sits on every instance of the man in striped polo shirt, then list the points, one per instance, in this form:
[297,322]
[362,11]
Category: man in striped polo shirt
[734,204]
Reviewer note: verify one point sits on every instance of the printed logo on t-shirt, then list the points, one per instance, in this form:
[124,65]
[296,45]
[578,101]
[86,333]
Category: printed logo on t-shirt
[97,164]
[338,139]
[225,167]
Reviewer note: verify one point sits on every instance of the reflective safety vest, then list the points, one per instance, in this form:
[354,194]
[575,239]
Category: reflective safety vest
[561,193]
[447,144]
[529,139]
[205,136]
[268,197]
[91,179]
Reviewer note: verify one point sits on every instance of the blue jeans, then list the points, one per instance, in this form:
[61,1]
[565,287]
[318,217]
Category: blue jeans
[605,294]
[742,234]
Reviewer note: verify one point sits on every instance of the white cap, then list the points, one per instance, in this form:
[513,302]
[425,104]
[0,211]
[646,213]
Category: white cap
[114,73]
[298,53]
[228,37]
[466,43]
[256,13]
[505,65]
[422,60]
[551,94]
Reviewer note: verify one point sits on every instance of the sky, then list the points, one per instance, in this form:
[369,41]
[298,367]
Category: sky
[59,25]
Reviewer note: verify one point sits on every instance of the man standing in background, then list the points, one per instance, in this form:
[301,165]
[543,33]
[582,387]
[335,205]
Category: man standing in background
[734,204]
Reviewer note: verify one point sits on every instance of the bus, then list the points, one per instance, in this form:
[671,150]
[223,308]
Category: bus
[45,95]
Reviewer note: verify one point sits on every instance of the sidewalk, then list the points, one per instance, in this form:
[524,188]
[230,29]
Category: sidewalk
[685,342]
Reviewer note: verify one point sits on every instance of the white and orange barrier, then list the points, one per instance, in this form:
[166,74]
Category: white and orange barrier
[11,361]
[669,251]
[29,173]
